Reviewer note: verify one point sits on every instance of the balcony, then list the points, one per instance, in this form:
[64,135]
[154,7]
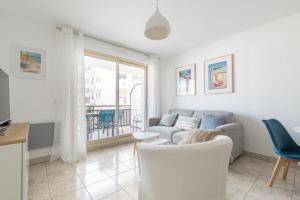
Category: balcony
[102,121]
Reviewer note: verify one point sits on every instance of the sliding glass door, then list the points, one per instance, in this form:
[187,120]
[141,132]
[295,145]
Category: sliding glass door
[131,98]
[115,93]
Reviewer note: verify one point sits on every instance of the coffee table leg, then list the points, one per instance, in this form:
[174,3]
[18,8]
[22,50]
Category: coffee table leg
[134,147]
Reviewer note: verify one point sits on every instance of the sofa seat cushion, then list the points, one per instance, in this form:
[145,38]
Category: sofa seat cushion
[177,137]
[165,132]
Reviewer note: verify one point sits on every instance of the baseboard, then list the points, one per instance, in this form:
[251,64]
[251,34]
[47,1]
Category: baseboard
[104,143]
[260,156]
[267,158]
[37,153]
[34,161]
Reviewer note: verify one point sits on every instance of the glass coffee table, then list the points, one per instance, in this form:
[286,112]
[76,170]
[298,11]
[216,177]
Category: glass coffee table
[148,137]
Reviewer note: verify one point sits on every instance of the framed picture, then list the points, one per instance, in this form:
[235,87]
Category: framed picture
[186,80]
[28,63]
[218,75]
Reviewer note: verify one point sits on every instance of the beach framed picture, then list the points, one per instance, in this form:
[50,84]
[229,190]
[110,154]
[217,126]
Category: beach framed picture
[28,63]
[218,75]
[186,80]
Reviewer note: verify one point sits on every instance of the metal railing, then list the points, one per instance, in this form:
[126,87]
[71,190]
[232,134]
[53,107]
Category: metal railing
[103,118]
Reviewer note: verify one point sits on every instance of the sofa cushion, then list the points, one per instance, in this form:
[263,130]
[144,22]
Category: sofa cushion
[229,118]
[182,112]
[210,121]
[165,132]
[177,137]
[168,119]
[187,123]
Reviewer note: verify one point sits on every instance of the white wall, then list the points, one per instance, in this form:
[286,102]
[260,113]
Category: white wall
[266,73]
[30,100]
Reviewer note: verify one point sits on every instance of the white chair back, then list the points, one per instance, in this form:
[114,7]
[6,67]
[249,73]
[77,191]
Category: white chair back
[184,172]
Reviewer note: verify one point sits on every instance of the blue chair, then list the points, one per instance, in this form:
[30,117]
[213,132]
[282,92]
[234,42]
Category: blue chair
[284,146]
[106,121]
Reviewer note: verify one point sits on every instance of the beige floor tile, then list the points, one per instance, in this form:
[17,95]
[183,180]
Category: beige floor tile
[56,166]
[39,191]
[93,177]
[36,171]
[127,178]
[85,167]
[268,170]
[65,186]
[250,163]
[123,156]
[103,188]
[133,191]
[116,169]
[81,194]
[132,163]
[261,190]
[37,179]
[61,175]
[296,189]
[121,195]
[240,180]
[279,182]
[233,193]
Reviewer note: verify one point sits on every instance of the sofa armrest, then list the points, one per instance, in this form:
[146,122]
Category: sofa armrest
[153,121]
[235,132]
[231,128]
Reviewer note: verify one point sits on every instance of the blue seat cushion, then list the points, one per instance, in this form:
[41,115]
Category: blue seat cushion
[293,154]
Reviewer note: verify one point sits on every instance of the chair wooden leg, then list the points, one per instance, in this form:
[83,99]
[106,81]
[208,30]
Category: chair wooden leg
[286,169]
[276,170]
[134,147]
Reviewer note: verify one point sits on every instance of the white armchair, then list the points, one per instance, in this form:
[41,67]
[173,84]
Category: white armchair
[184,172]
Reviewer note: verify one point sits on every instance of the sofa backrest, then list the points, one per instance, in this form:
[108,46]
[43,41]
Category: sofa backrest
[229,117]
[182,112]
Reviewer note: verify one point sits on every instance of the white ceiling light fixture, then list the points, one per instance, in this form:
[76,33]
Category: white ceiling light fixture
[157,27]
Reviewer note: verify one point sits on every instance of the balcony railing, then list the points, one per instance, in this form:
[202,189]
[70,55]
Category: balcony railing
[102,121]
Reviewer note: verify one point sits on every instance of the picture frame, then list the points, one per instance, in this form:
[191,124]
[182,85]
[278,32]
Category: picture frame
[218,74]
[186,80]
[28,63]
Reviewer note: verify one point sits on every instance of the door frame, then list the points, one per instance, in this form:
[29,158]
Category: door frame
[118,139]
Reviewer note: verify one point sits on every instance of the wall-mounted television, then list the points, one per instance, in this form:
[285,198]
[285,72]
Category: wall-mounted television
[4,98]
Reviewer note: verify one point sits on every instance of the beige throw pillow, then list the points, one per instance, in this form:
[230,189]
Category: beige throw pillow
[199,135]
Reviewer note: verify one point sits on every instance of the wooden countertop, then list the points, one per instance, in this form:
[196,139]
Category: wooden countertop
[18,133]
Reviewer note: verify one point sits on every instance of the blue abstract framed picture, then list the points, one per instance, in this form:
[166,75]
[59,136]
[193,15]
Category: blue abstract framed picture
[186,81]
[218,75]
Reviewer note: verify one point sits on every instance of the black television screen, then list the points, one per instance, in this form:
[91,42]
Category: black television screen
[4,97]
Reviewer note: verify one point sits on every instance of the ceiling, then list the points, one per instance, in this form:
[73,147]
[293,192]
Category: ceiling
[193,22]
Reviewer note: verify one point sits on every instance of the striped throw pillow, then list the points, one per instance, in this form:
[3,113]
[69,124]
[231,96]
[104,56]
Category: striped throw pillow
[187,123]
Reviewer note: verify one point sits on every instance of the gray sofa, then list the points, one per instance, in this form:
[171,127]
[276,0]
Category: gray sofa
[231,128]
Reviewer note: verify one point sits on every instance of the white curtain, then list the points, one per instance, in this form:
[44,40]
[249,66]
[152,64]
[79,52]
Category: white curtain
[70,126]
[153,87]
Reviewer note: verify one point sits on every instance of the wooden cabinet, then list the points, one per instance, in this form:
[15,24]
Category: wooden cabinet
[14,163]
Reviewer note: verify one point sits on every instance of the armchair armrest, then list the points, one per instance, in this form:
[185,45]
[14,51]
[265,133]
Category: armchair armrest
[153,121]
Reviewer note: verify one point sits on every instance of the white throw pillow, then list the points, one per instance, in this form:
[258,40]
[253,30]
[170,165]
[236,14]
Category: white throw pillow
[187,123]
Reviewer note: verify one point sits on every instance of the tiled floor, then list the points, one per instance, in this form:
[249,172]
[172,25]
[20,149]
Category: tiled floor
[112,174]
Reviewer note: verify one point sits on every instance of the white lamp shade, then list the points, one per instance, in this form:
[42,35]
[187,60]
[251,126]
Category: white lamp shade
[157,27]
